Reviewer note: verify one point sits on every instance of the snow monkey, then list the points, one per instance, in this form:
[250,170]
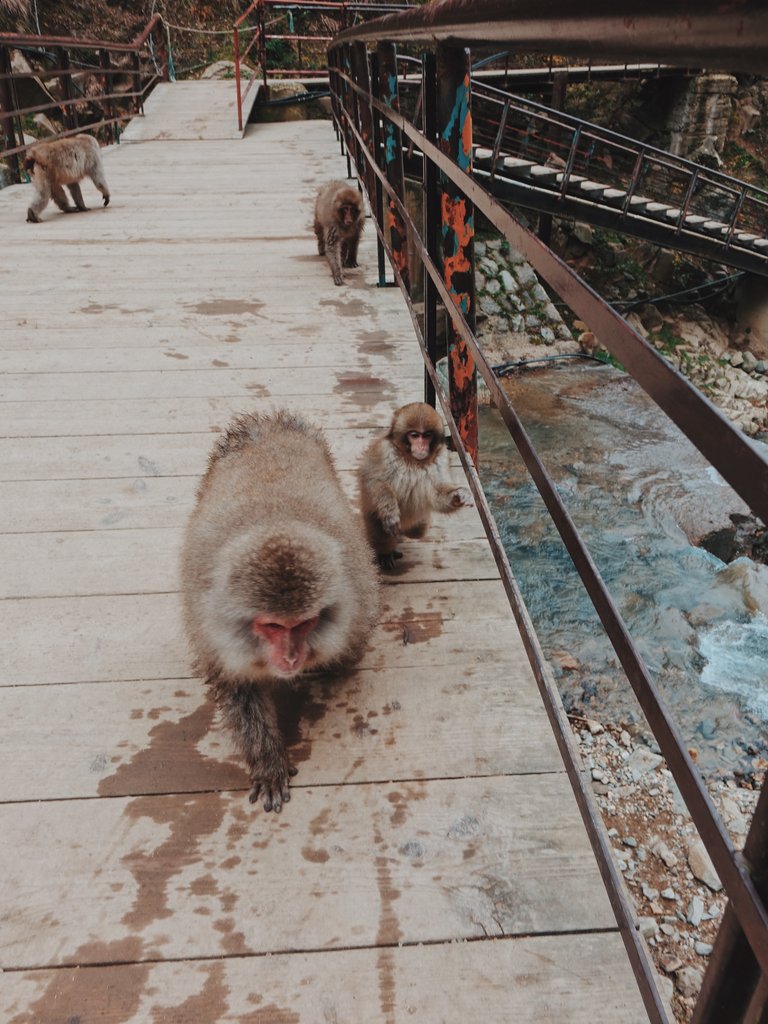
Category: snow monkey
[277,580]
[401,481]
[52,165]
[339,220]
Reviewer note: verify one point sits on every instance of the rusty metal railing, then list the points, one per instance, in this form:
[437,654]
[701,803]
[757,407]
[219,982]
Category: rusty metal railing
[365,105]
[313,22]
[90,83]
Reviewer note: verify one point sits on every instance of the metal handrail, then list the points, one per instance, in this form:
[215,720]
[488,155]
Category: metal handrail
[356,106]
[147,47]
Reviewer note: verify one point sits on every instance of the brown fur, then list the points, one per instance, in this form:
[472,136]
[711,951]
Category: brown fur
[339,221]
[52,165]
[398,492]
[272,534]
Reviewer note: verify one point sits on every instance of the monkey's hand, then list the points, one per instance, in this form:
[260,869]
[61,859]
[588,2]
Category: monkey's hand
[270,783]
[106,200]
[387,561]
[461,498]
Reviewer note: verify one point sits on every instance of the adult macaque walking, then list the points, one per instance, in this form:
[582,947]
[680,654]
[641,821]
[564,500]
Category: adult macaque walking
[339,220]
[401,481]
[52,165]
[277,580]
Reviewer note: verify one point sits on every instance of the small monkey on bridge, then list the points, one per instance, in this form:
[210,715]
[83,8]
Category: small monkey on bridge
[339,221]
[401,481]
[52,165]
[277,580]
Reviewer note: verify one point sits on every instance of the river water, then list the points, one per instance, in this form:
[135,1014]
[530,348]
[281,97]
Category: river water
[631,482]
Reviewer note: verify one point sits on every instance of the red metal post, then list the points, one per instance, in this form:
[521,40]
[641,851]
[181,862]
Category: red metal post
[454,130]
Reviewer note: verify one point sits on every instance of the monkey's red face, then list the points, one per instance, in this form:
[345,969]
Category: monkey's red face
[286,641]
[420,443]
[348,214]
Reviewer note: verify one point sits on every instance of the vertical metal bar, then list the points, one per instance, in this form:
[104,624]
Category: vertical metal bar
[69,113]
[138,100]
[393,158]
[559,83]
[299,27]
[378,155]
[736,212]
[454,131]
[7,106]
[106,64]
[499,137]
[262,23]
[687,200]
[364,118]
[430,201]
[238,87]
[571,160]
[734,988]
[350,108]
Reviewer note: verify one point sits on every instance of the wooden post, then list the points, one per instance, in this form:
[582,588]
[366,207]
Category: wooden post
[392,156]
[457,233]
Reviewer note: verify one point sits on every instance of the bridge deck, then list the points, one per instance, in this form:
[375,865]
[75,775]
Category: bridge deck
[432,865]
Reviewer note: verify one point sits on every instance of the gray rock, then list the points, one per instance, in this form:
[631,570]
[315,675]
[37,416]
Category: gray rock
[508,283]
[701,865]
[493,287]
[695,911]
[479,249]
[489,266]
[488,306]
[688,982]
[664,853]
[649,892]
[647,926]
[547,335]
[703,948]
[641,761]
[761,366]
[668,894]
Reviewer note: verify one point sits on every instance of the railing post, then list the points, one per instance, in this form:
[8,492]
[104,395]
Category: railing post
[431,218]
[364,117]
[106,66]
[392,157]
[454,130]
[69,112]
[7,104]
[262,22]
[138,99]
[378,210]
[238,87]
[734,988]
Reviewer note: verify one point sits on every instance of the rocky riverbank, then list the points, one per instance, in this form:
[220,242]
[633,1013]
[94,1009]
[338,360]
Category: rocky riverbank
[517,320]
[677,895]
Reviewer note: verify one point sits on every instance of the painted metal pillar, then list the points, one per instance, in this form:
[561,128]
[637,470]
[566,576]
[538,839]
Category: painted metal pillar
[362,77]
[430,207]
[393,158]
[377,207]
[457,233]
[734,989]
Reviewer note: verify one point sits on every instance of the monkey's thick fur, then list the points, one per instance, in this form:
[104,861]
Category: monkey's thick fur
[339,222]
[398,492]
[272,534]
[52,165]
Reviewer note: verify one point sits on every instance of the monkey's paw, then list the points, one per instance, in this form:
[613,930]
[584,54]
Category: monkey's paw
[351,263]
[106,200]
[461,498]
[272,787]
[338,279]
[32,217]
[388,560]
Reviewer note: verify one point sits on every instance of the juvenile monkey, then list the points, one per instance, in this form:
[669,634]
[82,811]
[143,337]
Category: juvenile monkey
[52,165]
[339,220]
[401,481]
[277,580]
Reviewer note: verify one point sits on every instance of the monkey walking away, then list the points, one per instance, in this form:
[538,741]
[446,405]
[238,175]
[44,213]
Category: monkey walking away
[401,481]
[339,220]
[52,165]
[277,580]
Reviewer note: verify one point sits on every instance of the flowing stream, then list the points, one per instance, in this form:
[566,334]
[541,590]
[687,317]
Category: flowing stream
[633,484]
